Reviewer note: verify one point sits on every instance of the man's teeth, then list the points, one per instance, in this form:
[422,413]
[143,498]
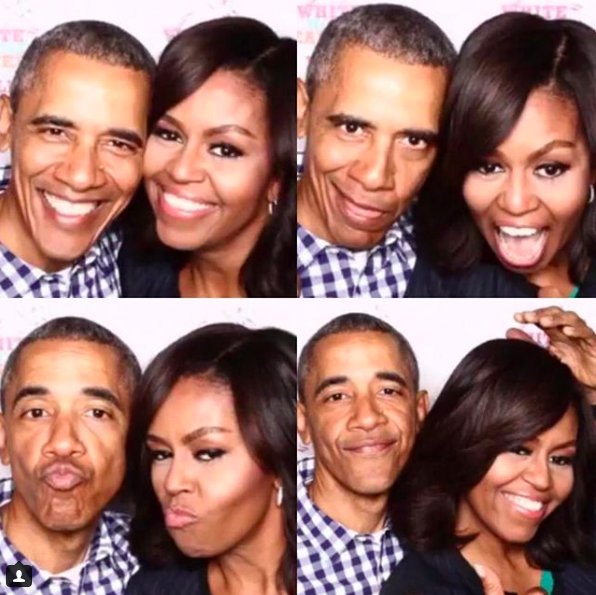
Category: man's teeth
[519,232]
[185,204]
[68,208]
[526,503]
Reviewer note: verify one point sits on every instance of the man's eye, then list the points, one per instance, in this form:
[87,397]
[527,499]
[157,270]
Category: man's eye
[121,146]
[390,392]
[352,128]
[52,132]
[34,413]
[416,142]
[98,414]
[335,397]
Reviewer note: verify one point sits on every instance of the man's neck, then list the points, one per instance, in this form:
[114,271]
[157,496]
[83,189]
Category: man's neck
[360,513]
[49,550]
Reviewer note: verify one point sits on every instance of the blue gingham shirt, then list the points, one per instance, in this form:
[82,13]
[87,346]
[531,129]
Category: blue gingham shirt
[326,270]
[333,559]
[94,275]
[106,571]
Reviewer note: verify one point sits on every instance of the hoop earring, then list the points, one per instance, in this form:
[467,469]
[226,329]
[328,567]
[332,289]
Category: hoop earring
[272,206]
[592,193]
[280,495]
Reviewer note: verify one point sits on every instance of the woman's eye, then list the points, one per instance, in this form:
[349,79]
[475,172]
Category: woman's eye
[561,461]
[487,168]
[209,454]
[226,150]
[552,170]
[159,455]
[166,134]
[520,450]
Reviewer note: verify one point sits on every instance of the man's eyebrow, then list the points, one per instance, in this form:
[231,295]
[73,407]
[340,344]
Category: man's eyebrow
[392,377]
[188,438]
[127,135]
[99,392]
[34,390]
[341,119]
[96,392]
[329,382]
[48,120]
[124,134]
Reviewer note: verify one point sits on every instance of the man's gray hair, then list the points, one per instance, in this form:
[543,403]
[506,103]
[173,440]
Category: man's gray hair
[391,30]
[97,40]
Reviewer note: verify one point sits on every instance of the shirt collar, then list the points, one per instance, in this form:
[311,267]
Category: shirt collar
[103,544]
[309,246]
[331,538]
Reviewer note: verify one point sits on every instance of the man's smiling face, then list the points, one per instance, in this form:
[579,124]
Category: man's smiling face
[76,144]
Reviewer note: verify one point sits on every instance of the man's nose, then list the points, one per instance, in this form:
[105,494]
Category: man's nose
[374,168]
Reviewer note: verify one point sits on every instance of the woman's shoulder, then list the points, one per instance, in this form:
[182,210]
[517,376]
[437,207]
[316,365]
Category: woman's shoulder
[433,573]
[170,579]
[576,579]
[147,275]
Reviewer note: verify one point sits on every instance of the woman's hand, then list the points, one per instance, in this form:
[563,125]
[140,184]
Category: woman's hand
[571,340]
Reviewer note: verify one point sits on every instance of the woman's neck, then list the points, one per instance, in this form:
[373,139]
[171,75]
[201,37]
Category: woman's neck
[215,272]
[554,280]
[252,567]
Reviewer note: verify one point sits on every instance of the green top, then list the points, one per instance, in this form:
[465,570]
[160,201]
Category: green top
[547,582]
[574,292]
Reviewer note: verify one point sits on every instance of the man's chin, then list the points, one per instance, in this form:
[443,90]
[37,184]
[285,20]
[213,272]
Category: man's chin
[357,239]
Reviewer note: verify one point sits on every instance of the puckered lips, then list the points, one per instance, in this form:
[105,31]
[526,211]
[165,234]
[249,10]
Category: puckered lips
[529,506]
[360,212]
[178,517]
[184,206]
[70,212]
[521,247]
[63,477]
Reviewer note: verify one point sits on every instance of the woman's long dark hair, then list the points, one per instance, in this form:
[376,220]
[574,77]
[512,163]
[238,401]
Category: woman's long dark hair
[259,367]
[268,62]
[500,64]
[503,393]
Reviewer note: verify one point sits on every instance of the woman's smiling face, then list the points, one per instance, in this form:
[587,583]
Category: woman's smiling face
[527,198]
[208,166]
[523,486]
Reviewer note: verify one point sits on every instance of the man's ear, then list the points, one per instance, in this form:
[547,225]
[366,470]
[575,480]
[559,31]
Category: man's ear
[5,122]
[421,407]
[3,450]
[302,104]
[302,422]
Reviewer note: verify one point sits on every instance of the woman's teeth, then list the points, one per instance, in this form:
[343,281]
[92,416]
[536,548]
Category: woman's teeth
[519,232]
[526,503]
[69,208]
[185,204]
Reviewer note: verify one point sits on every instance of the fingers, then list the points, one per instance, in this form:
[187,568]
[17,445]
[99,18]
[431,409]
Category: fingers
[555,319]
[490,581]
